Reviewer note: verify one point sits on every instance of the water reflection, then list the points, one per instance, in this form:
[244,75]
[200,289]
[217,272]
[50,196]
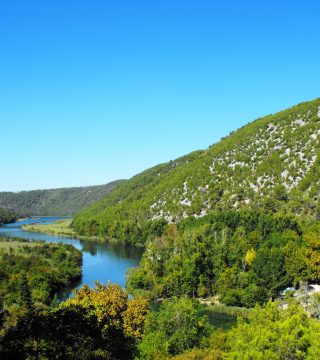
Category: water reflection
[101,261]
[90,247]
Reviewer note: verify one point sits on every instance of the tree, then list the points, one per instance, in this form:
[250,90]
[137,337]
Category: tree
[248,260]
[275,333]
[176,327]
[295,262]
[25,293]
[312,239]
[100,323]
[121,320]
[134,317]
[63,333]
[269,269]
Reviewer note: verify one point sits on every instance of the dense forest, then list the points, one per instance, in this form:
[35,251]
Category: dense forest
[7,216]
[46,268]
[55,202]
[243,257]
[103,323]
[271,164]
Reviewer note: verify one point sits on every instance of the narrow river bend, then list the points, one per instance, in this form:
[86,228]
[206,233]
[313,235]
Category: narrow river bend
[101,261]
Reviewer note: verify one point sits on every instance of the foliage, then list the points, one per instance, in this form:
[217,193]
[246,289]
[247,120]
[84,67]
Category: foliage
[134,317]
[25,293]
[7,216]
[243,256]
[222,317]
[175,328]
[36,270]
[94,325]
[275,333]
[120,318]
[271,332]
[63,333]
[100,323]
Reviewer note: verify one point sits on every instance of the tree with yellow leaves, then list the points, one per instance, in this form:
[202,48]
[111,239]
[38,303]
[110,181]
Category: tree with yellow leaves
[110,304]
[249,258]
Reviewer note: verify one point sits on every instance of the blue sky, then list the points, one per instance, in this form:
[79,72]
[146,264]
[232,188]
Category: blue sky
[92,91]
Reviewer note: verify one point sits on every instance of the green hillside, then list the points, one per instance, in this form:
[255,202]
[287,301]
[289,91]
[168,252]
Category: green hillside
[65,201]
[271,164]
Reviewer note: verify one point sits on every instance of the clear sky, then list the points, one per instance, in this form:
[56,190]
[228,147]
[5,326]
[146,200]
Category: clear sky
[92,91]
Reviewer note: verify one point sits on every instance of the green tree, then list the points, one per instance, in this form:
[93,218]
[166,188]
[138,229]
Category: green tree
[175,328]
[295,262]
[25,293]
[268,266]
[63,333]
[275,333]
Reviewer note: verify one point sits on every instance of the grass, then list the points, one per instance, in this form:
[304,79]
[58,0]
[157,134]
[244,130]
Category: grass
[221,316]
[16,246]
[63,228]
[60,227]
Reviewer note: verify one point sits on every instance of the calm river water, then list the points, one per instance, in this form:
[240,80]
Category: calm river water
[101,261]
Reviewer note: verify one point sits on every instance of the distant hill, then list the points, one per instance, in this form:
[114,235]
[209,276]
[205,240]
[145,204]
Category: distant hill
[55,202]
[272,163]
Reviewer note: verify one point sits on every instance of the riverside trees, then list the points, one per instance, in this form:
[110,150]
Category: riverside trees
[245,257]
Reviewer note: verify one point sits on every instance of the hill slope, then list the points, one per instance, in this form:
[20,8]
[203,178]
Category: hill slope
[65,201]
[271,163]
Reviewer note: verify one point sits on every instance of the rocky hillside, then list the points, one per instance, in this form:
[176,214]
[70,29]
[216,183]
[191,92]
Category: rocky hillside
[271,163]
[65,201]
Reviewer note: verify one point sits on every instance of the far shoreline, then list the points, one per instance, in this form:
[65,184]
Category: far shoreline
[61,227]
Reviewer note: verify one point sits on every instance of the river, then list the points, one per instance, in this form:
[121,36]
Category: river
[101,261]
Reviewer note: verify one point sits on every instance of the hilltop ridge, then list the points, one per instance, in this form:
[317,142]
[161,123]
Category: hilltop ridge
[272,163]
[55,202]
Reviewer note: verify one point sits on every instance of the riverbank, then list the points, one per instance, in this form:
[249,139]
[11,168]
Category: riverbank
[63,228]
[59,228]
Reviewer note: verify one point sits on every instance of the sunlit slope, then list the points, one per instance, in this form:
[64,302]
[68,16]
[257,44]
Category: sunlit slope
[271,163]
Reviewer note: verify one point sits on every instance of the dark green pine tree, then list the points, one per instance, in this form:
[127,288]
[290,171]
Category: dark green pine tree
[1,312]
[25,293]
[55,302]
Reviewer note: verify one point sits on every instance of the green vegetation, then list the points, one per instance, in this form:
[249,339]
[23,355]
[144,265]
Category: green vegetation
[270,164]
[244,257]
[268,333]
[272,333]
[55,202]
[235,224]
[222,317]
[41,267]
[102,323]
[173,329]
[112,218]
[99,323]
[59,228]
[7,216]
